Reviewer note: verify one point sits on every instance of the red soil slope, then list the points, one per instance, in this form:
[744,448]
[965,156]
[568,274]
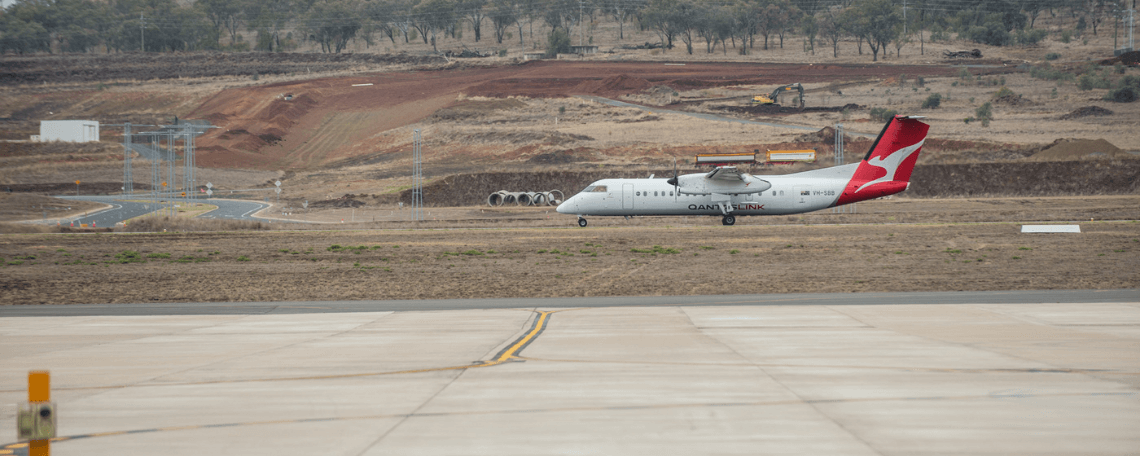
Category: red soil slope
[331,119]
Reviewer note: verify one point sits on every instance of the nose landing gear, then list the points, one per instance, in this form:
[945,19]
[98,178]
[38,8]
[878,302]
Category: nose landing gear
[728,220]
[581,222]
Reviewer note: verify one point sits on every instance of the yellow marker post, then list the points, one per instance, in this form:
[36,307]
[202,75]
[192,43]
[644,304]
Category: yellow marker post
[39,390]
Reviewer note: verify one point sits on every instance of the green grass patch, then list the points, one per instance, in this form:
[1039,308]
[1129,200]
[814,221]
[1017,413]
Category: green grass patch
[657,250]
[158,255]
[243,258]
[129,256]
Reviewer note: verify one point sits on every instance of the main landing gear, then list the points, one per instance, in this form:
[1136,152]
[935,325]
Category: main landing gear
[728,220]
[581,222]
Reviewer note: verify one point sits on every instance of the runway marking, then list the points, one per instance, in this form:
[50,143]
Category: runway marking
[15,448]
[507,354]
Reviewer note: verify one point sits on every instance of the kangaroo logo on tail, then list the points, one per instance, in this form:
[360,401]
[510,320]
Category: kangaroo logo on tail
[887,167]
[890,164]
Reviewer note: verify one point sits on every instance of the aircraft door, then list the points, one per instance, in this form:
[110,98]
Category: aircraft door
[802,195]
[627,196]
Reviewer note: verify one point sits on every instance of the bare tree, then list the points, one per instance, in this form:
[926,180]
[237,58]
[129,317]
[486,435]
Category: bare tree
[473,9]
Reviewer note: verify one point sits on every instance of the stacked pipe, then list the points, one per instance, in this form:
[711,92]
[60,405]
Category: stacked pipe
[547,198]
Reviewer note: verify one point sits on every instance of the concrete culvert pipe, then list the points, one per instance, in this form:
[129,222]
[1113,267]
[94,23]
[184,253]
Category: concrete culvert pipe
[548,198]
[525,199]
[556,201]
[540,199]
[495,199]
[509,198]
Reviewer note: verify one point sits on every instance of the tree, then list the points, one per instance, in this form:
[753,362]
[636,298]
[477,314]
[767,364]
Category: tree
[333,23]
[768,21]
[881,19]
[381,18]
[621,10]
[271,17]
[830,29]
[790,18]
[1097,10]
[685,19]
[558,42]
[402,14]
[434,16]
[23,37]
[225,15]
[664,18]
[474,9]
[745,15]
[714,24]
[854,24]
[503,14]
[810,28]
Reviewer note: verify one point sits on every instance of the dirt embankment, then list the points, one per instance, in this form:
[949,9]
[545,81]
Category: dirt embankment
[1101,177]
[71,68]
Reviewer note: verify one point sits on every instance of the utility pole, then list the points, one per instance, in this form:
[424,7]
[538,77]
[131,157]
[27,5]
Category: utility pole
[904,18]
[581,27]
[142,37]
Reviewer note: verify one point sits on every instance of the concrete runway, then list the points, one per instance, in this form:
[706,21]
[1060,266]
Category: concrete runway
[908,373]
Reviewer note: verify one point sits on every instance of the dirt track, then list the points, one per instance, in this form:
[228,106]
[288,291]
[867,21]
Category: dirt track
[658,260]
[264,130]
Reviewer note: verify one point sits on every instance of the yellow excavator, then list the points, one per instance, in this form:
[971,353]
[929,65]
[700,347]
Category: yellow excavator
[774,97]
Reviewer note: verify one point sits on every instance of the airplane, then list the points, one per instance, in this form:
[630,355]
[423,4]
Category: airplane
[729,192]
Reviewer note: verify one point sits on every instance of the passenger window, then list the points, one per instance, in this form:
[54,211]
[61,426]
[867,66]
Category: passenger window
[654,193]
[670,193]
[600,189]
[638,193]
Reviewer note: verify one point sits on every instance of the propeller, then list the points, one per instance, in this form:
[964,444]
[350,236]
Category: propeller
[673,180]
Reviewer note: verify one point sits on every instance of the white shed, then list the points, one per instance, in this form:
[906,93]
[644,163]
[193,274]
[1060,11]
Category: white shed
[69,130]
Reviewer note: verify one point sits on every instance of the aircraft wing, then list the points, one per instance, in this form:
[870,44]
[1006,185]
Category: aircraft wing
[727,180]
[726,173]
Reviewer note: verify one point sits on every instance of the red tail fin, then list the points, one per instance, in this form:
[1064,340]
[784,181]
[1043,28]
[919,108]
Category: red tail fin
[886,168]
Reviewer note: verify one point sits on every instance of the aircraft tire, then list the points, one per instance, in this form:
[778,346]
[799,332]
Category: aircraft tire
[582,222]
[728,220]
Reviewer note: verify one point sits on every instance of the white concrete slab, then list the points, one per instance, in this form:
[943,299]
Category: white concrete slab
[1050,228]
[899,379]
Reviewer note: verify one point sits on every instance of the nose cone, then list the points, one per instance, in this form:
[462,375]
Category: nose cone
[569,206]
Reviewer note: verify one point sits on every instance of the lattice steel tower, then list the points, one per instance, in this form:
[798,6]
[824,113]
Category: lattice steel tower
[417,178]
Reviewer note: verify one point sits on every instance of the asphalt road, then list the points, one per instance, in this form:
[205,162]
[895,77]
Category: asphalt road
[233,209]
[124,210]
[812,299]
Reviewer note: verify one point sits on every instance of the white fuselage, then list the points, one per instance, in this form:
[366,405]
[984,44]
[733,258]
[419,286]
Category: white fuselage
[789,194]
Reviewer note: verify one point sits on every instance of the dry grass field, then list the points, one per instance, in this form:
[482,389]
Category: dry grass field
[539,262]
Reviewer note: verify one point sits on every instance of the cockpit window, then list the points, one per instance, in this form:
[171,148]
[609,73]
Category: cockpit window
[598,188]
[589,189]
